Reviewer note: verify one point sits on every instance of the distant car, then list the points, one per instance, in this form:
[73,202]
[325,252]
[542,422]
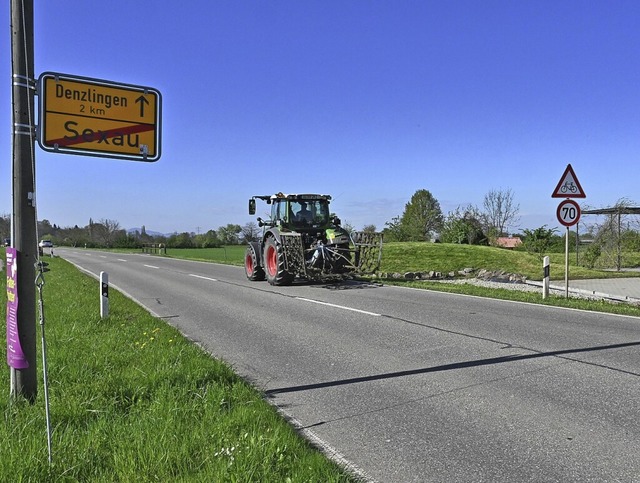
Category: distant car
[45,244]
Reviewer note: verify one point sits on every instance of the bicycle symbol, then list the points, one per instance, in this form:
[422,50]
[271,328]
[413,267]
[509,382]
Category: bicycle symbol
[568,186]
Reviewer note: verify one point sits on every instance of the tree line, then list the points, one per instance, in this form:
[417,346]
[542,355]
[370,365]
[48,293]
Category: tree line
[604,241]
[423,220]
[107,233]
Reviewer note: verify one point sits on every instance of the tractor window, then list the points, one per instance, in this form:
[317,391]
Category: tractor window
[312,212]
[278,211]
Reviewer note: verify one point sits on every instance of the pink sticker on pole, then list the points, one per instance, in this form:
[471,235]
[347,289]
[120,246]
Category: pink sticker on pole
[15,356]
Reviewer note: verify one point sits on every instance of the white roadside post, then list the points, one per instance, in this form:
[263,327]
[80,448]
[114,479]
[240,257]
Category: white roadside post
[545,280]
[104,295]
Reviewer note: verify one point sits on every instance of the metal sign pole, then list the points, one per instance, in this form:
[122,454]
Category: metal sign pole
[566,264]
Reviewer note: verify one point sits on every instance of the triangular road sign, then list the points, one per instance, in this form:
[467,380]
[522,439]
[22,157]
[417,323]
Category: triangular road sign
[569,186]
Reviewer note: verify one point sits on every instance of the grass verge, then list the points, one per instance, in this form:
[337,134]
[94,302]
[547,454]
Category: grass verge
[133,400]
[448,257]
[528,297]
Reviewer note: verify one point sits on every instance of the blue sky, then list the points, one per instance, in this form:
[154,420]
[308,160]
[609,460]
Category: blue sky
[368,101]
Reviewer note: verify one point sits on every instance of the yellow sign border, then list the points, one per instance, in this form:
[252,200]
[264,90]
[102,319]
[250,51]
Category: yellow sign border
[97,117]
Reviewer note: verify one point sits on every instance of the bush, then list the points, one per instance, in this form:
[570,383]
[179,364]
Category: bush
[591,255]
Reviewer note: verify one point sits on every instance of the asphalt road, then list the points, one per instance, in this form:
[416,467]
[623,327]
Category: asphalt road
[410,385]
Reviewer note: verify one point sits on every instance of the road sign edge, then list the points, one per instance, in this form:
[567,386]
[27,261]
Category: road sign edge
[107,83]
[572,202]
[557,194]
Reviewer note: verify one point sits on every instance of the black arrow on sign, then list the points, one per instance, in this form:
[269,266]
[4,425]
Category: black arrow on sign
[142,100]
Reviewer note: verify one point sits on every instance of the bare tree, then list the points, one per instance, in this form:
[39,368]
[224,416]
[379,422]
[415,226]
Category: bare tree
[618,225]
[500,211]
[109,231]
[250,232]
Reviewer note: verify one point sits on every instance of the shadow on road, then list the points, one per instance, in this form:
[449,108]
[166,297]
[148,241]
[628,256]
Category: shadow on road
[458,365]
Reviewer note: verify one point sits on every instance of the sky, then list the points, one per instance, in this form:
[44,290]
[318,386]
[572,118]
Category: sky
[368,101]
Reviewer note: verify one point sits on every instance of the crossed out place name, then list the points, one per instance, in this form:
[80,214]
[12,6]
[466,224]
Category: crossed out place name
[122,136]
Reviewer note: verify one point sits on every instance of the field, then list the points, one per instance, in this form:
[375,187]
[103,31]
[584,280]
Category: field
[232,254]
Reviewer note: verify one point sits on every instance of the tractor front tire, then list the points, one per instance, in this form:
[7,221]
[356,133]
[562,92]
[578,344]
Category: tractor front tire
[252,266]
[274,263]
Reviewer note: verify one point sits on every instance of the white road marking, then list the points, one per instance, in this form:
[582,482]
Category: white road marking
[152,266]
[204,278]
[121,260]
[340,307]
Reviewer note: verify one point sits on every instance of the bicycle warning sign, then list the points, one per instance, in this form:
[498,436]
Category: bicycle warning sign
[569,186]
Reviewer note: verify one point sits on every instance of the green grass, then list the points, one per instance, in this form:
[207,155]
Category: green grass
[529,297]
[132,400]
[440,257]
[231,254]
[446,257]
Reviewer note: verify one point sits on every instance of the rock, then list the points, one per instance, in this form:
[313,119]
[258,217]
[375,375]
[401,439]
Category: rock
[500,276]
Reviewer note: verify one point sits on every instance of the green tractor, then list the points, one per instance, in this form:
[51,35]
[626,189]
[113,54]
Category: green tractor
[302,239]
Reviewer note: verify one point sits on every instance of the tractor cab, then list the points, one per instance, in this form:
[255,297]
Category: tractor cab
[296,212]
[300,213]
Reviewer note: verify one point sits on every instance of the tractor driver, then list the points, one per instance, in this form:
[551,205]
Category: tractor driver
[304,214]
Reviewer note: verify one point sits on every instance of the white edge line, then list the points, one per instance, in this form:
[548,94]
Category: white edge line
[202,277]
[340,307]
[123,292]
[328,450]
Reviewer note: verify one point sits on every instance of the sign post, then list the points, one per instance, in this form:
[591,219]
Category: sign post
[24,381]
[568,212]
[95,117]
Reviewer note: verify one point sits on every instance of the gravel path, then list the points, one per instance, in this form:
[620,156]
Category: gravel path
[520,286]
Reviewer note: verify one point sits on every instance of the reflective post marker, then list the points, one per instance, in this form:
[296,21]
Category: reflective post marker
[104,295]
[545,280]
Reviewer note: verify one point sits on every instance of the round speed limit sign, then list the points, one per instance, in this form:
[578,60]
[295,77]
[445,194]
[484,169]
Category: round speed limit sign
[568,212]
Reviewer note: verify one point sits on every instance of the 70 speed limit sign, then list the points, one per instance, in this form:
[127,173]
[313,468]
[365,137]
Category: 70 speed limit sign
[568,212]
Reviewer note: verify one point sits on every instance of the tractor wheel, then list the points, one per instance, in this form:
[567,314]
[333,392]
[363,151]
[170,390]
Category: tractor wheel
[252,266]
[274,263]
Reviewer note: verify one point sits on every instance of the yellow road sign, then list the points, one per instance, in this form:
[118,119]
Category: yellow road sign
[95,117]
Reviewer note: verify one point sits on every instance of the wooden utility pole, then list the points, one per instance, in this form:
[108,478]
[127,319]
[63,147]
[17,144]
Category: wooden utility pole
[23,226]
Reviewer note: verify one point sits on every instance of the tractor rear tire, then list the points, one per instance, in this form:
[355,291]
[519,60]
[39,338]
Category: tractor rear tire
[252,266]
[274,263]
